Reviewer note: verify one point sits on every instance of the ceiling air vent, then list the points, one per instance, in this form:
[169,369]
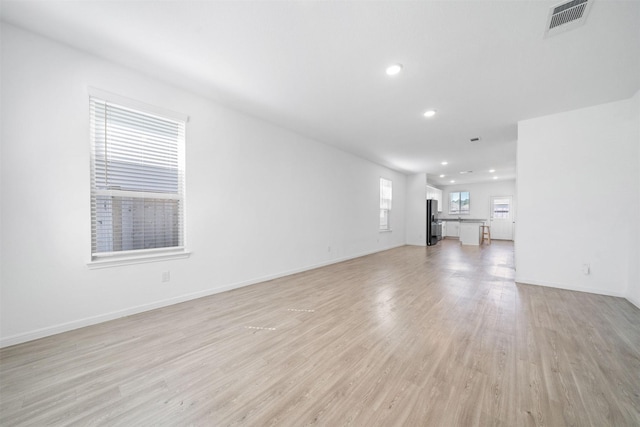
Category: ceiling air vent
[476,139]
[567,16]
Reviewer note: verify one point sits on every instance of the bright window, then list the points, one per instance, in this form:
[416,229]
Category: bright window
[459,203]
[386,196]
[501,208]
[137,181]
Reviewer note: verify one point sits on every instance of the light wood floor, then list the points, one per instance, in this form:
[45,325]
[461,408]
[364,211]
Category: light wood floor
[438,336]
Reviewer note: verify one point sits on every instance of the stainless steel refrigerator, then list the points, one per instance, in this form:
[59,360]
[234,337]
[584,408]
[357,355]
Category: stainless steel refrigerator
[434,228]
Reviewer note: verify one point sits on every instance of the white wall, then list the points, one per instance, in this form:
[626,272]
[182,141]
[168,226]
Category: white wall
[480,197]
[578,190]
[416,209]
[633,291]
[261,201]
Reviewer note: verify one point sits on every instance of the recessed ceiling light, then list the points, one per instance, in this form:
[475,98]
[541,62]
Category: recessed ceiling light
[442,176]
[430,113]
[444,163]
[495,177]
[394,69]
[492,170]
[452,181]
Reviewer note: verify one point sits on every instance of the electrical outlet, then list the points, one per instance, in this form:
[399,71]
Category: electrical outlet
[166,276]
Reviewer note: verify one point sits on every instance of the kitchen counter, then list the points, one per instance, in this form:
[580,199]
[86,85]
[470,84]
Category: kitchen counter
[463,219]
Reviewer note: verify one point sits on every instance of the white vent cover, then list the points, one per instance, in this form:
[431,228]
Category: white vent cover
[567,16]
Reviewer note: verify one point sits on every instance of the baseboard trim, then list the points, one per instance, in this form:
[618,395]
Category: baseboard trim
[633,301]
[101,318]
[525,281]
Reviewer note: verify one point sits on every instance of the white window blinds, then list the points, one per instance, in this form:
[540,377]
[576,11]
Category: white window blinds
[137,186]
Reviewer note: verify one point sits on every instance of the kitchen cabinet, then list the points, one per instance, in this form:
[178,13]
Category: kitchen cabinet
[435,193]
[452,228]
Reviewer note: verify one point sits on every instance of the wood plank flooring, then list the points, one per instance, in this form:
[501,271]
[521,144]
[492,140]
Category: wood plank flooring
[436,336]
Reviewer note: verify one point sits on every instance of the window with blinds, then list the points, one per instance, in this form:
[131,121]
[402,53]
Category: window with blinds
[137,181]
[385,204]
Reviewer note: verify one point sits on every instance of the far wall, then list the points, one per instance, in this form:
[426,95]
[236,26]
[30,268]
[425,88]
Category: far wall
[480,197]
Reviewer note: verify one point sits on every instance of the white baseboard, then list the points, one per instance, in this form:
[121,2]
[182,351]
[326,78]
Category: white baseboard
[633,301]
[597,291]
[88,321]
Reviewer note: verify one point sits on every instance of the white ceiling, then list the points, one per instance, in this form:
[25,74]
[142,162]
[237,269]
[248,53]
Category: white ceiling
[318,67]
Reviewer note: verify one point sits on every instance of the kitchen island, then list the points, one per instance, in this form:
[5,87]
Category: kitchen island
[469,229]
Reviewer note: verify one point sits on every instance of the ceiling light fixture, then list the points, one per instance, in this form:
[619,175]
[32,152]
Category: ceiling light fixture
[444,163]
[495,177]
[452,181]
[394,69]
[492,170]
[430,113]
[442,176]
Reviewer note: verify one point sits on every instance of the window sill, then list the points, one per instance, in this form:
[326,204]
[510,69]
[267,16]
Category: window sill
[117,261]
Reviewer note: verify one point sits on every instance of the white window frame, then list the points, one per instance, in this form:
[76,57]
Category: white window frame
[126,257]
[459,203]
[386,201]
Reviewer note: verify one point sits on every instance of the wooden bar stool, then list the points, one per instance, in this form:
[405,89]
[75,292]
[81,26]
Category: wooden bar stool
[486,233]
